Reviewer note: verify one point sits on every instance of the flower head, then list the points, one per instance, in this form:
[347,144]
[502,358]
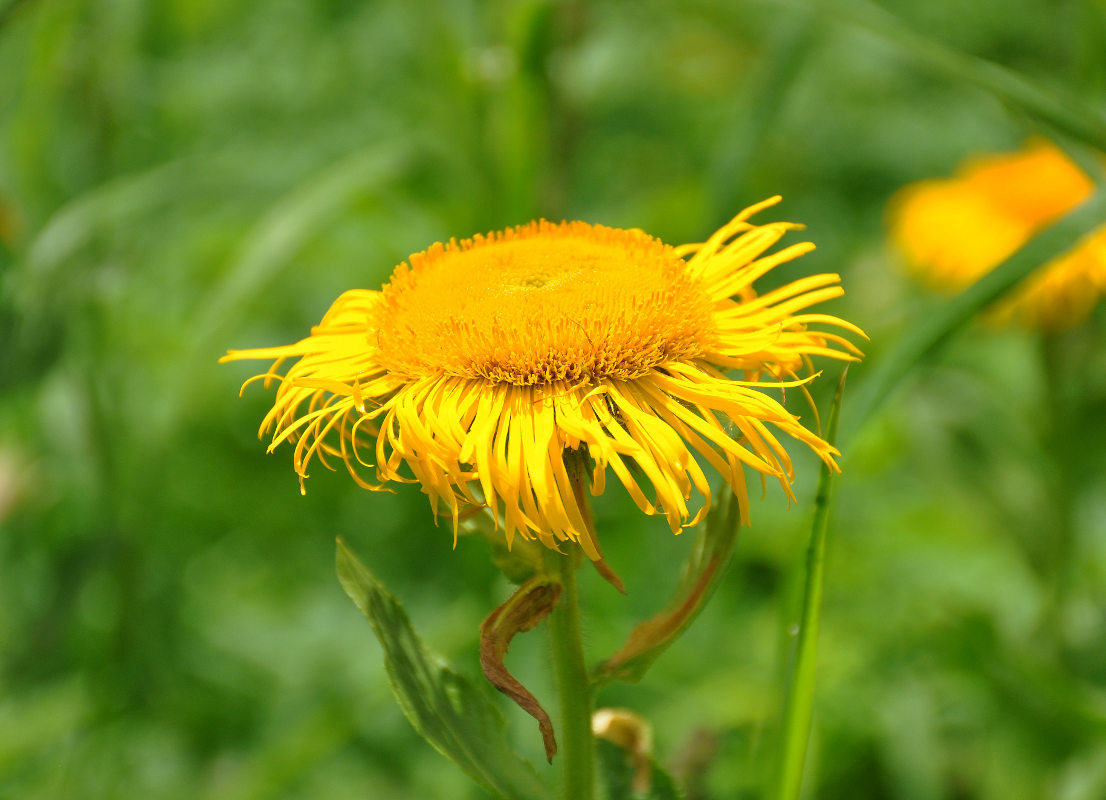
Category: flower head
[954,231]
[505,370]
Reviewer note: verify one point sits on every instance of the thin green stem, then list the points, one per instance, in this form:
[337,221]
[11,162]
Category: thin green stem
[577,747]
[800,690]
[1060,555]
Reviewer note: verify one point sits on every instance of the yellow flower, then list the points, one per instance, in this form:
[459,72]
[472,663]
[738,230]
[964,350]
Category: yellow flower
[954,231]
[499,370]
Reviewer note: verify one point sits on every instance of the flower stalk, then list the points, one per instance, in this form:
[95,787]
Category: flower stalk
[577,747]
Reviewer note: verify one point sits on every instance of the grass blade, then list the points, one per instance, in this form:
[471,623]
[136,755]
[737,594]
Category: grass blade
[800,689]
[1052,105]
[928,335]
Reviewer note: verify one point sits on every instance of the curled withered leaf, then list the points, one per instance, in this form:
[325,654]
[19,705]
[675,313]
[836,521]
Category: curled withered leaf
[523,610]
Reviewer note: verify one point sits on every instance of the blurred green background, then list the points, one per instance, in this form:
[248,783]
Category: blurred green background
[181,177]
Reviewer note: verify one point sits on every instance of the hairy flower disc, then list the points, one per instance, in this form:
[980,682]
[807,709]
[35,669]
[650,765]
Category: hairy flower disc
[516,370]
[543,303]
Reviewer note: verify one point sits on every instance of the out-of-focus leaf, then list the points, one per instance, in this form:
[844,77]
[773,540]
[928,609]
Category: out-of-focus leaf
[664,788]
[616,771]
[909,742]
[701,575]
[31,722]
[1050,105]
[449,711]
[631,734]
[281,232]
[926,336]
[118,201]
[294,752]
[753,112]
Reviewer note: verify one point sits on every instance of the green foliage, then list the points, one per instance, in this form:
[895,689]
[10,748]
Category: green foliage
[182,177]
[449,712]
[801,682]
[930,334]
[616,771]
[701,576]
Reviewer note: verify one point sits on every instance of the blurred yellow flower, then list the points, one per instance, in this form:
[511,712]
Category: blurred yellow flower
[502,368]
[954,231]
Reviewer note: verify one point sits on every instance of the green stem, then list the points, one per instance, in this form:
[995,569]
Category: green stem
[800,689]
[573,687]
[1060,554]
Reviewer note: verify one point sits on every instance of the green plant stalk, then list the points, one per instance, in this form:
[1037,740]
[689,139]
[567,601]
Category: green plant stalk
[799,700]
[577,746]
[1060,439]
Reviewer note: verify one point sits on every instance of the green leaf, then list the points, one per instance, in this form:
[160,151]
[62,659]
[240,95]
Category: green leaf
[663,788]
[285,228]
[616,771]
[701,576]
[1051,105]
[929,334]
[443,706]
[799,703]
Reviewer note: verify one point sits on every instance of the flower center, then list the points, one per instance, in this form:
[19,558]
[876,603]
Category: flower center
[540,303]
